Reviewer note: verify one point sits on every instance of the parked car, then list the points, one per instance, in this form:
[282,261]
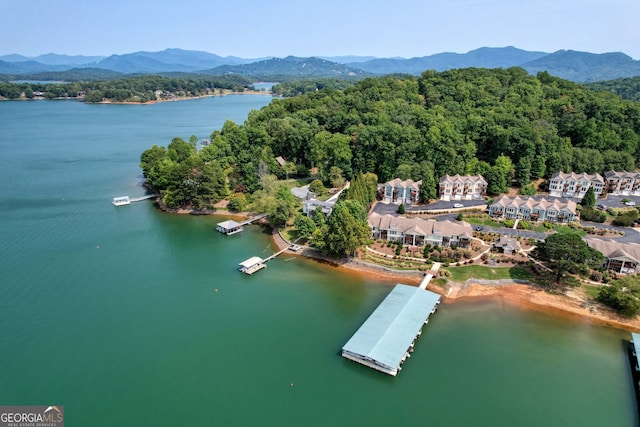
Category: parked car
[602,207]
[479,228]
[630,203]
[458,205]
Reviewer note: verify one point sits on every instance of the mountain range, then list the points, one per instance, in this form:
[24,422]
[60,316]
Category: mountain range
[567,64]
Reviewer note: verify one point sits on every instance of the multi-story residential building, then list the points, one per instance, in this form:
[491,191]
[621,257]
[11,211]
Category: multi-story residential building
[399,191]
[574,184]
[533,209]
[623,258]
[420,231]
[458,187]
[622,183]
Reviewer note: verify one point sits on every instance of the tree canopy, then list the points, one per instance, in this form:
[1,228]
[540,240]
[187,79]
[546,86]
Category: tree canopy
[567,252]
[622,295]
[504,124]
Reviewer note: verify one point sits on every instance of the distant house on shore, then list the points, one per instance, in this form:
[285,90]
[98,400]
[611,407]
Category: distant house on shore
[462,187]
[534,209]
[622,258]
[402,192]
[574,184]
[420,231]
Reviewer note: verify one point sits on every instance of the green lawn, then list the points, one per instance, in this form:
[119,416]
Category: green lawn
[461,274]
[483,221]
[592,291]
[567,229]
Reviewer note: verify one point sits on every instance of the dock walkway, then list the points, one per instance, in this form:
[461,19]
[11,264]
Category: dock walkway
[427,277]
[255,218]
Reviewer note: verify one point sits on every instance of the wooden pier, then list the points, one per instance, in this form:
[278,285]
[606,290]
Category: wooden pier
[255,263]
[254,219]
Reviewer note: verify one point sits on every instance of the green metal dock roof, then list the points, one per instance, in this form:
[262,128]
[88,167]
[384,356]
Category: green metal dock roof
[385,337]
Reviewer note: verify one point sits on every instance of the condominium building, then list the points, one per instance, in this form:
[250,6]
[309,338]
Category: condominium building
[462,187]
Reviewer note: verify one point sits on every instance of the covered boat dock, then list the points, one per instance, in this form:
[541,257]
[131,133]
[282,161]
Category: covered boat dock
[252,265]
[385,340]
[229,227]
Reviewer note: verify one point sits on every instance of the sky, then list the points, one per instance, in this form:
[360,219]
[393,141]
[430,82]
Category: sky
[267,28]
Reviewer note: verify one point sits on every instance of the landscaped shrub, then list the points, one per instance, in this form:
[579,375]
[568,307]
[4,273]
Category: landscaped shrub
[593,215]
[399,249]
[524,225]
[596,276]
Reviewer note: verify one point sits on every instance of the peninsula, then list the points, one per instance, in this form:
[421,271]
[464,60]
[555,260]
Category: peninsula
[464,136]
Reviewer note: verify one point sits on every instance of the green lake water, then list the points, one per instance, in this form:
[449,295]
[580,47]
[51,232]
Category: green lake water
[112,312]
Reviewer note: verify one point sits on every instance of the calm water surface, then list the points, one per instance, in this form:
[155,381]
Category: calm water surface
[112,312]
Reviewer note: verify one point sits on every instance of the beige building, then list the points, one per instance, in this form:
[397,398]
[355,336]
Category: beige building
[399,191]
[623,258]
[462,187]
[420,231]
[533,209]
[622,183]
[574,184]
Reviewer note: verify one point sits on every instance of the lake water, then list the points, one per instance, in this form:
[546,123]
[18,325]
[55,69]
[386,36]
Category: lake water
[113,312]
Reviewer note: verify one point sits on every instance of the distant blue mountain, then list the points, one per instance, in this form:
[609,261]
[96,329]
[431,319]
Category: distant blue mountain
[584,66]
[29,67]
[567,64]
[290,66]
[166,61]
[485,57]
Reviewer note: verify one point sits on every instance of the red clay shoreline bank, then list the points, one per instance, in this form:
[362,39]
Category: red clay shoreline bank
[573,305]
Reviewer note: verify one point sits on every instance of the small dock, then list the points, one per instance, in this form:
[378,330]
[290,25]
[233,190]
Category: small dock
[126,200]
[231,227]
[255,263]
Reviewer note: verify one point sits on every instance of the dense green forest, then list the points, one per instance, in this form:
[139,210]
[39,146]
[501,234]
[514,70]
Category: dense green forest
[300,87]
[504,124]
[135,89]
[627,88]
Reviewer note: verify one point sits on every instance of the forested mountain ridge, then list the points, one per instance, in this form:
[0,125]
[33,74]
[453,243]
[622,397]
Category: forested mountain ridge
[627,88]
[289,66]
[585,67]
[567,64]
[504,124]
[485,57]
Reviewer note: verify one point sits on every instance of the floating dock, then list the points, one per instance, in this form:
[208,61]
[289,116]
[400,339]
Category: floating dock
[229,227]
[255,263]
[125,200]
[385,340]
[252,265]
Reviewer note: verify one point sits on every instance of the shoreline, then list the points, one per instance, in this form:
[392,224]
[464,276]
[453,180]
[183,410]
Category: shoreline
[223,92]
[574,304]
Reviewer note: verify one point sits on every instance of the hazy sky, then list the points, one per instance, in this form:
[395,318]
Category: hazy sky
[251,28]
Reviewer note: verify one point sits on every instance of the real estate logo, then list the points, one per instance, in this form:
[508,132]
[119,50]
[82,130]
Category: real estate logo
[31,416]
